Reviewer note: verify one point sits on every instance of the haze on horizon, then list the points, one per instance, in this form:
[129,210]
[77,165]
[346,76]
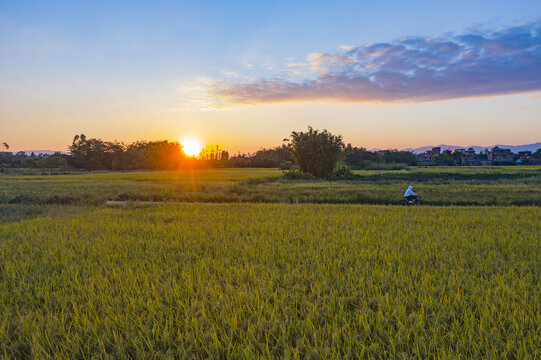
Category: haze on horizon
[244,74]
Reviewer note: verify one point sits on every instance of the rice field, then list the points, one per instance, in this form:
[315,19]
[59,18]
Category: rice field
[437,186]
[272,281]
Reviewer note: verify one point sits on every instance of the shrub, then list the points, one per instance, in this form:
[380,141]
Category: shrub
[316,152]
[297,175]
[344,172]
[286,165]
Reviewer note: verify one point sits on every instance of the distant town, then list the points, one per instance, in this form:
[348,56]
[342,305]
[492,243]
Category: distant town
[468,157]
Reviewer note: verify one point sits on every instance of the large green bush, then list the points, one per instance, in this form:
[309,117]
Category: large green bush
[316,152]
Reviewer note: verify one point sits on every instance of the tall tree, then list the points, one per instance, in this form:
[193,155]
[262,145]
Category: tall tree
[316,152]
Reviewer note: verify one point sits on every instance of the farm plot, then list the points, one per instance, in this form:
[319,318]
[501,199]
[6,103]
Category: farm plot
[437,186]
[273,280]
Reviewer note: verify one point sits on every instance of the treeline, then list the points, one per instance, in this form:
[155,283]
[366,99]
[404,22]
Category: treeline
[40,161]
[277,157]
[97,154]
[354,157]
[360,158]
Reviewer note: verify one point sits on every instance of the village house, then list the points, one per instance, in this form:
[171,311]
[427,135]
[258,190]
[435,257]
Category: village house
[526,157]
[469,158]
[429,155]
[497,155]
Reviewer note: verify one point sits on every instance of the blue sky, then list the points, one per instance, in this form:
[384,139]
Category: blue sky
[157,69]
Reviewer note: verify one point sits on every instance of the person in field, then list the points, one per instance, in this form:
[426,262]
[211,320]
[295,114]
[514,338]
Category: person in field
[410,195]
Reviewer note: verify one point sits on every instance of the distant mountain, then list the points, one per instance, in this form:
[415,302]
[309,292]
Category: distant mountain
[43,152]
[513,148]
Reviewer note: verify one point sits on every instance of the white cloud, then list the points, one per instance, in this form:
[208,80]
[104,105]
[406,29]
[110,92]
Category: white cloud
[412,69]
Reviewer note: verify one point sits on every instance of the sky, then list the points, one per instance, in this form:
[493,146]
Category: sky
[244,74]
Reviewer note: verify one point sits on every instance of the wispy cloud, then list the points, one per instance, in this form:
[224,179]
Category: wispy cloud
[412,69]
[346,47]
[296,65]
[228,73]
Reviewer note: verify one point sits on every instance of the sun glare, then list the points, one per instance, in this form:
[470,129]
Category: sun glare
[191,147]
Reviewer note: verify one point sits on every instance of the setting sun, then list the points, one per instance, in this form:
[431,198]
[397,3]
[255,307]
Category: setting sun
[191,147]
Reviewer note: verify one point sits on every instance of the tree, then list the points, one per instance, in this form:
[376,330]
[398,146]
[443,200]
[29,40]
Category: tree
[29,162]
[156,155]
[271,157]
[316,152]
[360,157]
[395,156]
[91,154]
[444,158]
[448,157]
[54,161]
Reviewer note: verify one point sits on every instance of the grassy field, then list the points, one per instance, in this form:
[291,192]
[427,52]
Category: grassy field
[96,188]
[437,186]
[273,280]
[262,269]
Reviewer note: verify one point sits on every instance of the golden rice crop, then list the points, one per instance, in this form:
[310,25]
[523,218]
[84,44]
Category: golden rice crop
[273,280]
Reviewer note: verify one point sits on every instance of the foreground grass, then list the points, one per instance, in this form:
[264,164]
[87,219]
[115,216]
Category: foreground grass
[264,280]
[437,186]
[16,212]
